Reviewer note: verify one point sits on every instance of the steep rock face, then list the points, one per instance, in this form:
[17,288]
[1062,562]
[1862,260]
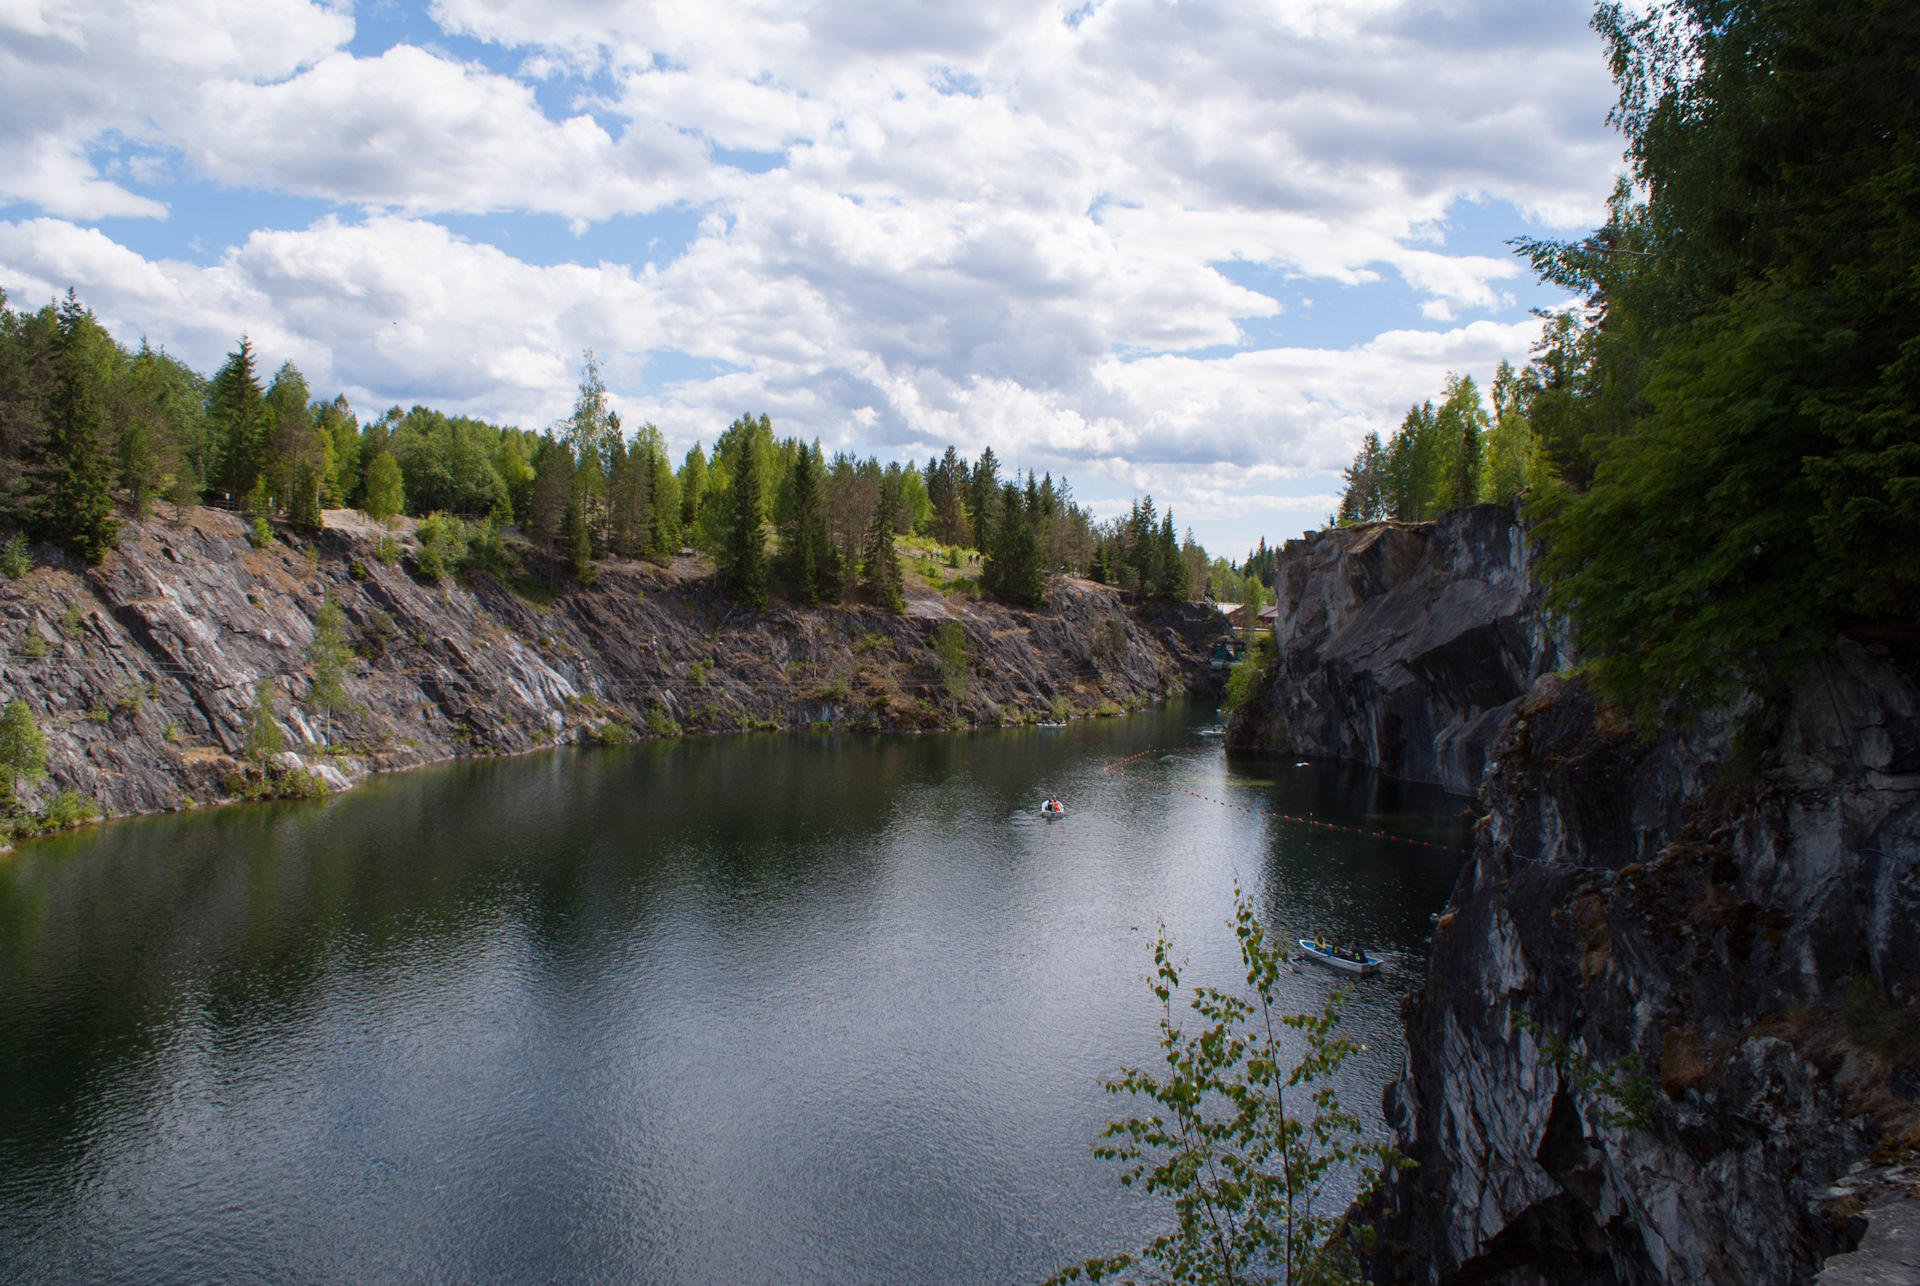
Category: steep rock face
[1749,931]
[1403,646]
[142,671]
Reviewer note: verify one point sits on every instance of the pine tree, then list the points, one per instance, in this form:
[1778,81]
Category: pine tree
[883,581]
[77,420]
[744,558]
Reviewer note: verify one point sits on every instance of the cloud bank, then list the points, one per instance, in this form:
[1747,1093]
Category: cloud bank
[902,224]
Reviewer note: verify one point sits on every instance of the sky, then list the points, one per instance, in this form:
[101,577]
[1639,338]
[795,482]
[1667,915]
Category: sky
[1191,249]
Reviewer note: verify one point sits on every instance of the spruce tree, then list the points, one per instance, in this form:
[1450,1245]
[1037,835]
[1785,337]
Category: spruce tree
[77,421]
[237,415]
[663,535]
[576,542]
[809,563]
[744,565]
[303,507]
[883,582]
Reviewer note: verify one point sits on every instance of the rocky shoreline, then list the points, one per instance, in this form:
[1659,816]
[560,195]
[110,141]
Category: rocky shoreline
[142,671]
[1670,1030]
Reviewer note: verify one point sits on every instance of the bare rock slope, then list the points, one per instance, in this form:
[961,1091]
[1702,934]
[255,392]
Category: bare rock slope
[142,670]
[1734,910]
[1404,646]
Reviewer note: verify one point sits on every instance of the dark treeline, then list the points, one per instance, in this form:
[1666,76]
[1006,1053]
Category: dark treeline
[90,430]
[1721,446]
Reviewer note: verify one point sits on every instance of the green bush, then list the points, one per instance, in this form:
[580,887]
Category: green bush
[68,809]
[15,559]
[613,733]
[259,535]
[1249,673]
[33,645]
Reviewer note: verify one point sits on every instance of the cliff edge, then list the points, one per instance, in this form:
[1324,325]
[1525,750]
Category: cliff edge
[1731,909]
[142,671]
[1402,645]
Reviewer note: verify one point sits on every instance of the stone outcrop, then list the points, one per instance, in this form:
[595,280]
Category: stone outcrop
[1404,646]
[142,671]
[1734,910]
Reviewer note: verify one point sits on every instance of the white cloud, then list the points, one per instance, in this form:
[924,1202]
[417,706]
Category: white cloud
[990,224]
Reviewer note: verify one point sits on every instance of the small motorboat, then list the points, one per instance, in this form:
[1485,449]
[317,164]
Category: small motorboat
[1358,962]
[1053,809]
[1055,724]
[1215,731]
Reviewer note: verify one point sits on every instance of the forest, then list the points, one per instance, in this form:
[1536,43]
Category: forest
[91,431]
[1719,446]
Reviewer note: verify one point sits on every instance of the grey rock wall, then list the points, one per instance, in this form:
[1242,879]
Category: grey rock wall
[1404,646]
[1667,901]
[142,670]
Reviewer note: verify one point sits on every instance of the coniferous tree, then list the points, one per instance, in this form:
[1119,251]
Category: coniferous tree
[744,556]
[810,562]
[81,507]
[883,581]
[663,536]
[237,417]
[1013,566]
[693,486]
[303,508]
[576,541]
[983,498]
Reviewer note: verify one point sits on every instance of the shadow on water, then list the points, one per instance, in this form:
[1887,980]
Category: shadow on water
[776,1007]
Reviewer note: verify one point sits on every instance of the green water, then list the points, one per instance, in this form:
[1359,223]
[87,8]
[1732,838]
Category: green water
[774,1008]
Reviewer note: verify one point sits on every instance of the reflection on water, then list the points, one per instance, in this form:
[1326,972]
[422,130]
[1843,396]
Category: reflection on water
[774,1008]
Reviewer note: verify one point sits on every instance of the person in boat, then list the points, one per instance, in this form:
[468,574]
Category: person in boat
[1053,805]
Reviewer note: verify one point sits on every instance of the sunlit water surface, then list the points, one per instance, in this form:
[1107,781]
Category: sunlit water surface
[754,1009]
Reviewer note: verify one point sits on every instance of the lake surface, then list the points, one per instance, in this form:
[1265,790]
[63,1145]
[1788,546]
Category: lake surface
[733,1010]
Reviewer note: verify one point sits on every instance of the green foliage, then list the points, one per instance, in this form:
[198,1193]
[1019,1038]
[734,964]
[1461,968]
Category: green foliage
[743,555]
[78,418]
[16,560]
[447,463]
[1874,1021]
[23,748]
[264,736]
[259,534]
[385,496]
[443,545]
[576,543]
[613,733]
[660,723]
[328,657]
[1250,1184]
[1737,412]
[1617,1092]
[33,645]
[238,420]
[303,513]
[1250,673]
[950,658]
[809,562]
[68,809]
[881,577]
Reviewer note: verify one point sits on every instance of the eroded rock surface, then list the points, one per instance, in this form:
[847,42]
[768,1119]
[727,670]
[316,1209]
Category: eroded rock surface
[142,670]
[1404,646]
[1748,931]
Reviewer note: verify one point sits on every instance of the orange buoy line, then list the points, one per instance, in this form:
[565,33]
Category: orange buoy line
[1121,768]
